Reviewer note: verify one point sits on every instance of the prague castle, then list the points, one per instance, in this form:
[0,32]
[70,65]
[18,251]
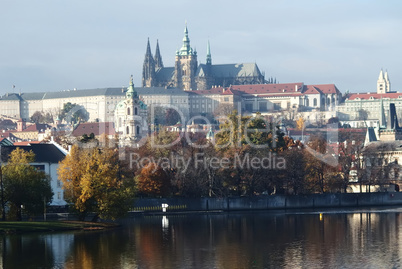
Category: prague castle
[188,75]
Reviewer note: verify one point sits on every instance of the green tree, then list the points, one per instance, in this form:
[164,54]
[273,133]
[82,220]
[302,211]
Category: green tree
[25,188]
[74,112]
[93,183]
[37,117]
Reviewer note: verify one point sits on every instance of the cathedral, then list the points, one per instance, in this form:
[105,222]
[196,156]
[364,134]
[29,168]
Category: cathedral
[188,75]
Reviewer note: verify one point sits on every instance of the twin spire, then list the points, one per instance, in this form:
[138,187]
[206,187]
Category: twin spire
[383,84]
[157,61]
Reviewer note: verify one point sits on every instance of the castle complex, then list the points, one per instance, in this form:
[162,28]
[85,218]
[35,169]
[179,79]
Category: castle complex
[188,75]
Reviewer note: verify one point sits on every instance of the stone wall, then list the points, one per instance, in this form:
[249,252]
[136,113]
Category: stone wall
[269,202]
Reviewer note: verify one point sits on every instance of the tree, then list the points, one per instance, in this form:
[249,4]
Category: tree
[37,117]
[42,117]
[300,124]
[153,181]
[25,188]
[172,117]
[223,110]
[73,112]
[93,183]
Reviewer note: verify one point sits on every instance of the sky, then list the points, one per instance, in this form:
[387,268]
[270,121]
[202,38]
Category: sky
[54,45]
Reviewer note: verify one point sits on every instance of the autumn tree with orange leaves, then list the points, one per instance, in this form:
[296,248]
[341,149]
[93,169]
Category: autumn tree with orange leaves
[153,181]
[92,182]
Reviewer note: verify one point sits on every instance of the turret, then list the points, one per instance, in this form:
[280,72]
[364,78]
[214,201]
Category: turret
[209,58]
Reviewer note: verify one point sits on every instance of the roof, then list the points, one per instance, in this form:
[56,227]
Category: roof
[376,96]
[5,142]
[10,97]
[37,127]
[160,91]
[26,143]
[215,90]
[310,89]
[98,92]
[269,88]
[44,153]
[327,88]
[375,147]
[229,70]
[164,73]
[97,128]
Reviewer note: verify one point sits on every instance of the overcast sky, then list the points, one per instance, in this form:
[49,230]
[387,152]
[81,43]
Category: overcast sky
[53,45]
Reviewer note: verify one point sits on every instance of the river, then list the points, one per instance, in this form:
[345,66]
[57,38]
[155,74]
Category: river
[353,238]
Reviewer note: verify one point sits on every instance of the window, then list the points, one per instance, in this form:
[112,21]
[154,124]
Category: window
[307,102]
[135,111]
[128,111]
[226,99]
[138,130]
[39,167]
[315,102]
[127,130]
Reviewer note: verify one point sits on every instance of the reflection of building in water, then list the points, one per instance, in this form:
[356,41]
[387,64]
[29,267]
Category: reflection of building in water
[165,222]
[61,245]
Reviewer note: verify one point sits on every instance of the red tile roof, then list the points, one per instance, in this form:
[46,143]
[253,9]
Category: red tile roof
[322,88]
[269,88]
[36,127]
[310,89]
[366,96]
[97,128]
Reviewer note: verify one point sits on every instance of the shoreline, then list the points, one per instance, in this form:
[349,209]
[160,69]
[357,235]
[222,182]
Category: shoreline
[18,227]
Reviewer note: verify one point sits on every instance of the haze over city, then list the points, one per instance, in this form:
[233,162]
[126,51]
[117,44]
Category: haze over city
[58,45]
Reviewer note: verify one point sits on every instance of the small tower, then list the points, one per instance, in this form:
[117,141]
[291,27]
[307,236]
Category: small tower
[130,117]
[383,84]
[185,65]
[21,125]
[148,69]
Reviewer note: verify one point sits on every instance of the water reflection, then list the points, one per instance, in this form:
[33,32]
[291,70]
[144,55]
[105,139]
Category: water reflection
[249,240]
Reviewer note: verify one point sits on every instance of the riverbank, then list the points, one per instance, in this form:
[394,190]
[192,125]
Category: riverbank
[267,202]
[12,227]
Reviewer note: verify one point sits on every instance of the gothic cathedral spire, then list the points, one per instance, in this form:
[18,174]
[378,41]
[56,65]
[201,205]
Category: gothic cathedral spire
[148,69]
[209,58]
[158,57]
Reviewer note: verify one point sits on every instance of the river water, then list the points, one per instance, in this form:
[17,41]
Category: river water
[354,238]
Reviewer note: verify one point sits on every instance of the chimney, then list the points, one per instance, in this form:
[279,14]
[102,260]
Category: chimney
[295,88]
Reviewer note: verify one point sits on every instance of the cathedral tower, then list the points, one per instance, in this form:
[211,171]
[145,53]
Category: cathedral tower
[185,65]
[148,69]
[383,84]
[158,57]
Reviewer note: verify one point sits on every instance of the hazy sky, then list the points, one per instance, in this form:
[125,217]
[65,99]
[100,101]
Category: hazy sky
[53,45]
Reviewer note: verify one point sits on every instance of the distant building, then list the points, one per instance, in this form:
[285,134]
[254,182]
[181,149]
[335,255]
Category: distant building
[131,117]
[47,158]
[367,106]
[188,75]
[96,128]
